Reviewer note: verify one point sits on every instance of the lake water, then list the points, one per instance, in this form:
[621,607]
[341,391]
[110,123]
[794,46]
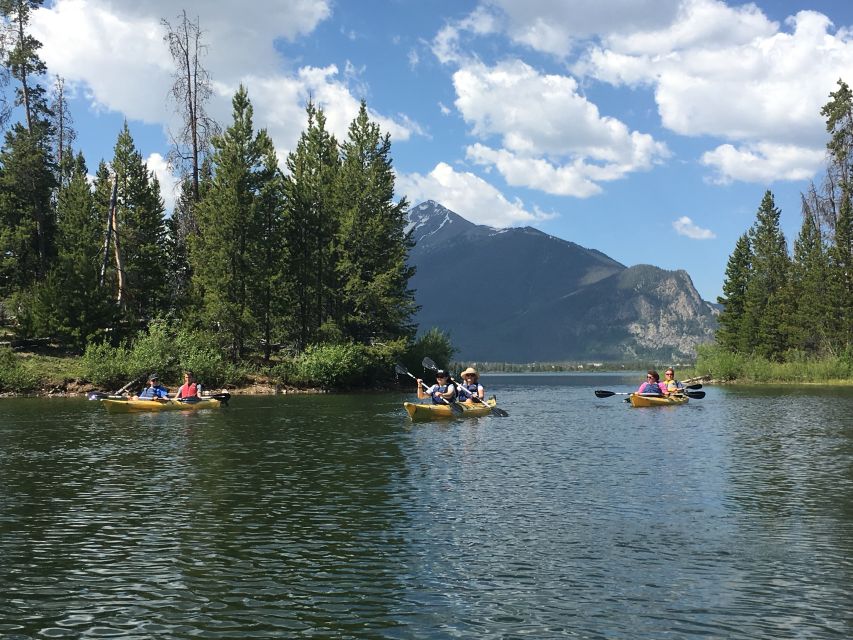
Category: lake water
[335,516]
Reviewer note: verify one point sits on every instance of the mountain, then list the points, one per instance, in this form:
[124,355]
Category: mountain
[520,295]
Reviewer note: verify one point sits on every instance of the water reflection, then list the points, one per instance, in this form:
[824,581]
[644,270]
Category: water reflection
[335,516]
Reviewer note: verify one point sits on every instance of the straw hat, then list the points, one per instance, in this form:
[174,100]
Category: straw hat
[470,371]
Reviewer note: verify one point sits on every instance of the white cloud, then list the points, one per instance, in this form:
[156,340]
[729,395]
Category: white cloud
[469,196]
[555,26]
[730,73]
[554,139]
[114,51]
[168,182]
[684,226]
[763,162]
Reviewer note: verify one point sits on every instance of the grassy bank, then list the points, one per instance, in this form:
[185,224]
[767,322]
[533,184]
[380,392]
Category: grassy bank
[724,366]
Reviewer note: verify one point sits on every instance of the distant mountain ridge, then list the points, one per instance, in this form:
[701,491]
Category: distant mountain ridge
[521,295]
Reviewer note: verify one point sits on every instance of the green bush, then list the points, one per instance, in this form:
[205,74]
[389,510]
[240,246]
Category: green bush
[332,366]
[434,344]
[199,352]
[106,366]
[13,376]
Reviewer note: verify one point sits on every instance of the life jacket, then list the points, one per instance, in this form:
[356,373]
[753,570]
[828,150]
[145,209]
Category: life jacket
[437,398]
[652,388]
[471,388]
[188,390]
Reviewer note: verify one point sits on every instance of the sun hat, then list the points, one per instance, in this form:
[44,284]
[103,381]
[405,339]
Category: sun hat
[470,371]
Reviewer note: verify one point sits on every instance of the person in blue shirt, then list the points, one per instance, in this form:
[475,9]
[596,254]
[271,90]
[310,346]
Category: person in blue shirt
[154,390]
[652,384]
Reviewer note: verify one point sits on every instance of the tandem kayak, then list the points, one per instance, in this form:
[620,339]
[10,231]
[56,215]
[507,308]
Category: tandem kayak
[420,412]
[651,400]
[134,405]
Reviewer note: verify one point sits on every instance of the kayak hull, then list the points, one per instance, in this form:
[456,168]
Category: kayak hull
[423,412]
[135,405]
[642,400]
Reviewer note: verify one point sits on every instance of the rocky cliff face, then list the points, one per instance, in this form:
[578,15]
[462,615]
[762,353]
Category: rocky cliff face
[520,295]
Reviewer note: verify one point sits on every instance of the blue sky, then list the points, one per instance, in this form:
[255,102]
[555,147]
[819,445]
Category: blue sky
[646,129]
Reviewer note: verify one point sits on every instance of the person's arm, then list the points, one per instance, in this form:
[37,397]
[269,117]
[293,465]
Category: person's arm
[450,394]
[421,393]
[481,391]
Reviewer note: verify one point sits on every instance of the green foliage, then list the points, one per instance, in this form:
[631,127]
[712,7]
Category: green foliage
[372,268]
[798,366]
[14,377]
[434,344]
[199,352]
[106,366]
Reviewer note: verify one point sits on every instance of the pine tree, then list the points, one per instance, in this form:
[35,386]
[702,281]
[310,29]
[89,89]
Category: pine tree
[311,225]
[373,246]
[26,219]
[142,232]
[839,124]
[812,314]
[69,304]
[223,255]
[766,311]
[738,269]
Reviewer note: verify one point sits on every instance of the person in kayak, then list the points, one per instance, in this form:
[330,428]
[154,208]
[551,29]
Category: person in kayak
[154,390]
[471,387]
[190,388]
[651,385]
[670,384]
[442,392]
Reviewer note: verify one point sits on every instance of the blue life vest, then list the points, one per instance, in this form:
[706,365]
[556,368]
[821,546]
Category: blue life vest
[471,388]
[437,397]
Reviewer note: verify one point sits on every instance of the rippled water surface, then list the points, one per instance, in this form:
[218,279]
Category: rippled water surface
[335,516]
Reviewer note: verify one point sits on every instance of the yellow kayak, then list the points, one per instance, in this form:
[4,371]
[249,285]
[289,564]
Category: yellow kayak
[420,412]
[646,400]
[134,405]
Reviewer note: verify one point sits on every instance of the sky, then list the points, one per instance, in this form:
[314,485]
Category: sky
[646,129]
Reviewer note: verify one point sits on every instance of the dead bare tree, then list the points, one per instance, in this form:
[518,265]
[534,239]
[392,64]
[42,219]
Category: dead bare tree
[190,92]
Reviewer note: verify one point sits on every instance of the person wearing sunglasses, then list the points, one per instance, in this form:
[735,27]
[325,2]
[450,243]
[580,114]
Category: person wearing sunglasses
[442,392]
[670,384]
[651,385]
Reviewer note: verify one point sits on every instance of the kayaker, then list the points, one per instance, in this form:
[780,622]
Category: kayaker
[190,388]
[651,385]
[670,384]
[442,392]
[154,390]
[471,387]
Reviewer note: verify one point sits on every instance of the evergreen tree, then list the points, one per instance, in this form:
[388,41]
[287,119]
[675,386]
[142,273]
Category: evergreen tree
[223,255]
[839,124]
[812,313]
[311,225]
[69,304]
[142,232]
[26,219]
[372,265]
[738,269]
[766,311]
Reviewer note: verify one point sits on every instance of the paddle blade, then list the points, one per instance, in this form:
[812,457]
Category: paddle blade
[693,387]
[427,363]
[401,370]
[601,393]
[97,395]
[222,397]
[696,395]
[499,412]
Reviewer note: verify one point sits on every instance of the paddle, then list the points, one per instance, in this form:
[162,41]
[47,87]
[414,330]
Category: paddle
[454,408]
[97,395]
[696,395]
[495,411]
